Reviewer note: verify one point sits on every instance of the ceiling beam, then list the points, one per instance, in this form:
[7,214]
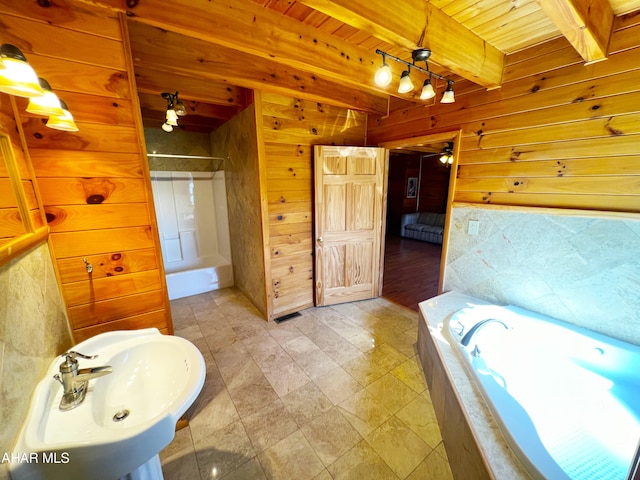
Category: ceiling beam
[178,54]
[249,27]
[417,23]
[155,81]
[586,24]
[204,110]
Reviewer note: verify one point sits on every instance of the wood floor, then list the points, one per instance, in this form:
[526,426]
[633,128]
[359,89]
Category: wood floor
[411,271]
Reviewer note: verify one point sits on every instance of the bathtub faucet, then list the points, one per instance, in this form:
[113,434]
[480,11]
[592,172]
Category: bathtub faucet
[467,338]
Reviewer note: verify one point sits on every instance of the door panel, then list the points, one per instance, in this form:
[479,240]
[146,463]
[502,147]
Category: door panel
[349,211]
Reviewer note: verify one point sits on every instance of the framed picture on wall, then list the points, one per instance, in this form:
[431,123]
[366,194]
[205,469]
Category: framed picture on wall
[412,187]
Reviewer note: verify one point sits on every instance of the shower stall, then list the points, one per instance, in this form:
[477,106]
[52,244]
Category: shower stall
[191,208]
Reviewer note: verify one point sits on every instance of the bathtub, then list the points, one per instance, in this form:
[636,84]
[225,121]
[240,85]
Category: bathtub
[567,400]
[199,280]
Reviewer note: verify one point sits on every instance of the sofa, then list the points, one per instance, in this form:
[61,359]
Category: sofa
[425,226]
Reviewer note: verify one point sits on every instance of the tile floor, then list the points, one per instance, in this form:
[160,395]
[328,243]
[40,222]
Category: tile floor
[337,393]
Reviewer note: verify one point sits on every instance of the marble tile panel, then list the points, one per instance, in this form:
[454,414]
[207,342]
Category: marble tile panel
[250,398]
[364,412]
[219,339]
[398,446]
[251,470]
[410,372]
[365,341]
[343,326]
[265,351]
[212,413]
[361,462]
[391,392]
[323,475]
[363,370]
[420,417]
[338,385]
[434,467]
[182,442]
[223,451]
[299,346]
[269,425]
[182,465]
[331,435]
[405,342]
[237,368]
[316,363]
[284,332]
[306,403]
[291,458]
[341,351]
[286,378]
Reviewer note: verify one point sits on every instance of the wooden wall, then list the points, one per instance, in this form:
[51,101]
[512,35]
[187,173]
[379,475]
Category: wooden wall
[237,141]
[94,183]
[557,134]
[290,128]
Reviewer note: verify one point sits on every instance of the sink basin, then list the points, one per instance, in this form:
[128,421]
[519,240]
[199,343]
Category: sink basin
[127,416]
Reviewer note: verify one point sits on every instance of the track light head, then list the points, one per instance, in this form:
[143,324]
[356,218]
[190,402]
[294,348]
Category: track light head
[427,90]
[383,75]
[448,95]
[406,85]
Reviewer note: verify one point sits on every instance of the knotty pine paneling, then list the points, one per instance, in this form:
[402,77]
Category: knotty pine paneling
[557,134]
[94,183]
[290,128]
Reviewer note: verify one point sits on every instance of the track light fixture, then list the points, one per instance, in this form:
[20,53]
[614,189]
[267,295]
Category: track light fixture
[175,108]
[383,75]
[18,78]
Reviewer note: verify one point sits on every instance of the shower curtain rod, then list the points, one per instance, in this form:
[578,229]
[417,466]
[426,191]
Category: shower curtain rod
[175,155]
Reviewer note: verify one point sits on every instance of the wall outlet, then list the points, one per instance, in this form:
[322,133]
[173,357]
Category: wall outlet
[474,225]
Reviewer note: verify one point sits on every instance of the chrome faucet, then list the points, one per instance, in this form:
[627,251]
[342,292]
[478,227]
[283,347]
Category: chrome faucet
[469,335]
[74,380]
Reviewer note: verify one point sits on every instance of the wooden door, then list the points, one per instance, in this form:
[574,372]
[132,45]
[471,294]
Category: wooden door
[349,215]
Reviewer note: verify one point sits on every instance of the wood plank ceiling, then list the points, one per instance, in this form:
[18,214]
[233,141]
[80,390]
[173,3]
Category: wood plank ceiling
[214,53]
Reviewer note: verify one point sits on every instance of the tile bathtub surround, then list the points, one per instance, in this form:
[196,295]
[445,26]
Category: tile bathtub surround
[33,330]
[337,393]
[584,270]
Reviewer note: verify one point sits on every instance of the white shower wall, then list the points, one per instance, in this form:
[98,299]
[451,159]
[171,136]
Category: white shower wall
[191,209]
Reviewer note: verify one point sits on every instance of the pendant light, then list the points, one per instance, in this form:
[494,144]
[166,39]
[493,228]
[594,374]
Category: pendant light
[405,85]
[47,104]
[17,77]
[62,122]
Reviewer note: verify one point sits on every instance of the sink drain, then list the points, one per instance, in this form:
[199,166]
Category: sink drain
[121,415]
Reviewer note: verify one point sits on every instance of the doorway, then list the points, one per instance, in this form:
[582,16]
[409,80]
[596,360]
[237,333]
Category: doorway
[419,181]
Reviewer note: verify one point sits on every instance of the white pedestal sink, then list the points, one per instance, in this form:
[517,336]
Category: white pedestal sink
[126,418]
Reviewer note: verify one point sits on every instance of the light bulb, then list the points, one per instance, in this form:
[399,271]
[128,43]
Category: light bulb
[166,127]
[406,85]
[383,75]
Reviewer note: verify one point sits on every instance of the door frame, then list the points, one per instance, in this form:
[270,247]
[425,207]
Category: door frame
[454,136]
